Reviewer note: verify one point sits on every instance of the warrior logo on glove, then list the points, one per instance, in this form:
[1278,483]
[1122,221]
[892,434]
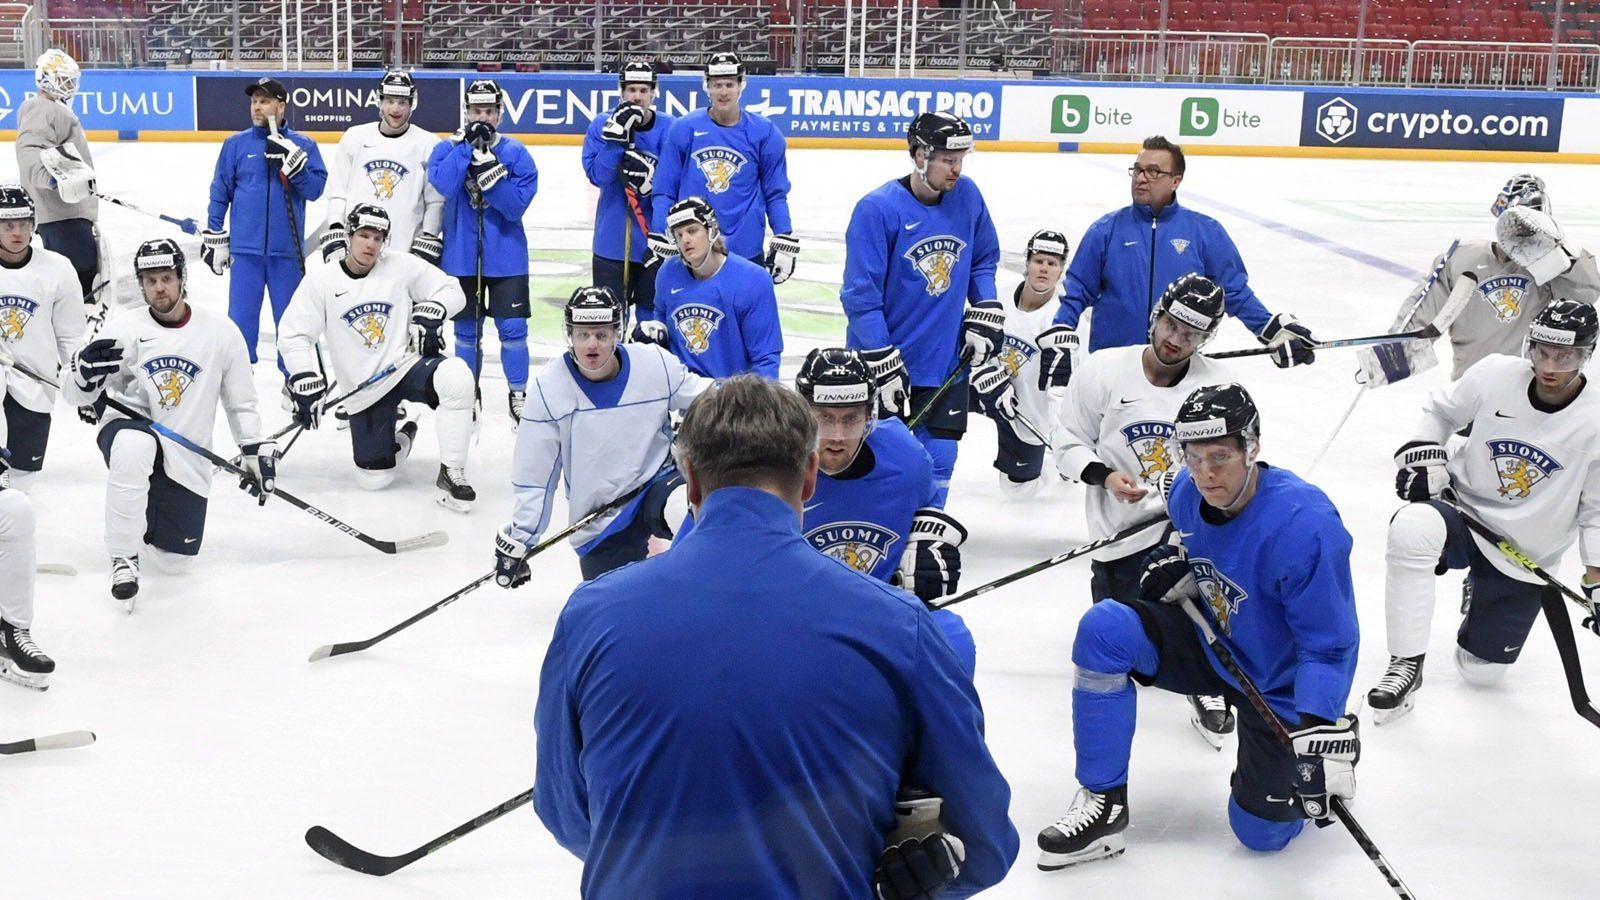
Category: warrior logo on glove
[936,259]
[371,321]
[1521,467]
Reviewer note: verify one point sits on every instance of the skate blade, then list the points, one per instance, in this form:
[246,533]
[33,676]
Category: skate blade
[1210,737]
[458,506]
[1108,847]
[9,672]
[1385,716]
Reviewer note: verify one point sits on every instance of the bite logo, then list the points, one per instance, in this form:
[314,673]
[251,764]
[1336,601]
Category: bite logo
[1220,593]
[385,175]
[718,166]
[936,259]
[696,322]
[1505,295]
[370,321]
[859,545]
[1521,467]
[15,313]
[171,375]
[1151,443]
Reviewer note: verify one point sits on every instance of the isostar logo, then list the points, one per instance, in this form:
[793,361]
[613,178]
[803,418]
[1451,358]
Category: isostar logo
[15,313]
[1336,120]
[695,323]
[718,166]
[385,175]
[171,376]
[936,259]
[370,321]
[1505,295]
[859,545]
[1015,353]
[1220,593]
[1151,443]
[1521,467]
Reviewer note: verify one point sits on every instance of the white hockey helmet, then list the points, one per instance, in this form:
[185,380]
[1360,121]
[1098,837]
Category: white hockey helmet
[56,73]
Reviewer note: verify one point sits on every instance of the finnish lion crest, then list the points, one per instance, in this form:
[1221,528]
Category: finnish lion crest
[1015,353]
[15,313]
[1521,467]
[171,375]
[370,321]
[718,166]
[936,259]
[1221,595]
[859,545]
[385,175]
[1151,443]
[1506,294]
[695,323]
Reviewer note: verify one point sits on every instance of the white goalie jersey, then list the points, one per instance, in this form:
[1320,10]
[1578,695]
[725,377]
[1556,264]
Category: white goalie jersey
[372,167]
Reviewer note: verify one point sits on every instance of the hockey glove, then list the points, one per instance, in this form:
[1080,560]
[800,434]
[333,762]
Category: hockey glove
[214,251]
[622,122]
[661,249]
[1167,577]
[1325,764]
[1591,592]
[510,560]
[782,252]
[287,156]
[74,179]
[1422,474]
[307,390]
[931,564]
[1291,342]
[648,332]
[485,171]
[996,395]
[260,463]
[922,859]
[426,338]
[983,331]
[481,135]
[334,243]
[638,172]
[1058,351]
[427,247]
[1533,240]
[96,361]
[893,381]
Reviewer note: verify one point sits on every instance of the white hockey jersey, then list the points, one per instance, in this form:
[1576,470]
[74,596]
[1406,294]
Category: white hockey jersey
[1113,415]
[1496,319]
[365,319]
[372,167]
[1020,357]
[175,375]
[1532,475]
[41,323]
[601,439]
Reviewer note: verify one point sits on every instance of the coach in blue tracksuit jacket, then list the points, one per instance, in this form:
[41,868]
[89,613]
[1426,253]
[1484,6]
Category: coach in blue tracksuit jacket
[733,718]
[1128,257]
[260,244]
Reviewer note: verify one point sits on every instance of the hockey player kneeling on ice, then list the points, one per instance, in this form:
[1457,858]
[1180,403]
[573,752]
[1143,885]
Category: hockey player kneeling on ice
[1265,558]
[21,660]
[601,412]
[1116,434]
[1530,469]
[741,717]
[360,304]
[173,363]
[41,323]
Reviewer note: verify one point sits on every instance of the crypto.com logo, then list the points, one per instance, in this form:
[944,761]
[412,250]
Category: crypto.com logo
[1336,120]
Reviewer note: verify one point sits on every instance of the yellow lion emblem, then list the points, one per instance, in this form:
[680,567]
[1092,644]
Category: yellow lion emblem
[170,384]
[1218,601]
[851,555]
[384,181]
[371,331]
[11,324]
[1011,360]
[1155,459]
[718,174]
[696,334]
[1517,480]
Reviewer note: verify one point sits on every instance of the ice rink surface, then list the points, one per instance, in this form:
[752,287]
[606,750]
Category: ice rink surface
[219,745]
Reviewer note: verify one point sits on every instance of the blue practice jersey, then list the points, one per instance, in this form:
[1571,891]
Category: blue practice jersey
[863,520]
[740,169]
[505,245]
[723,326]
[601,159]
[909,270]
[1276,583]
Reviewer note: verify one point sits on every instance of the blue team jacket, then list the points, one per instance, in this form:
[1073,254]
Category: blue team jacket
[732,718]
[505,244]
[246,190]
[612,217]
[1128,257]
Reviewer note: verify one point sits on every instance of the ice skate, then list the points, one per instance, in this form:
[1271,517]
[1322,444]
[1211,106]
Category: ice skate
[458,494]
[125,580]
[1091,830]
[1212,718]
[21,660]
[1397,690]
[515,401]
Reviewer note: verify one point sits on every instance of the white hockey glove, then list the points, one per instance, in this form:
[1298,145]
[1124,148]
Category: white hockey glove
[893,381]
[621,124]
[983,331]
[1533,240]
[1167,577]
[510,560]
[334,243]
[426,337]
[638,172]
[650,332]
[997,396]
[96,361]
[661,249]
[930,567]
[1591,592]
[1058,353]
[782,252]
[288,156]
[427,247]
[1291,342]
[485,170]
[214,251]
[307,390]
[260,464]
[1325,763]
[74,180]
[922,859]
[1421,469]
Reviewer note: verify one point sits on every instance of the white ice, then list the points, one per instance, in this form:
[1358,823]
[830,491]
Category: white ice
[219,745]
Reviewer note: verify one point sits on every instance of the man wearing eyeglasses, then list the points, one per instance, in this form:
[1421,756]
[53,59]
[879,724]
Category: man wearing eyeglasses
[1128,257]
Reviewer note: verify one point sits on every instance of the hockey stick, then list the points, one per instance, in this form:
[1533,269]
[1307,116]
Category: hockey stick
[55,569]
[1027,423]
[1281,732]
[1555,615]
[376,377]
[189,226]
[944,388]
[327,650]
[63,741]
[1591,623]
[1056,560]
[288,204]
[338,850]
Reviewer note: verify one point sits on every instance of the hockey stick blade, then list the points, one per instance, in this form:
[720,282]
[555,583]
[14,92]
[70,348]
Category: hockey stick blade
[328,650]
[422,542]
[55,569]
[1555,615]
[336,849]
[63,741]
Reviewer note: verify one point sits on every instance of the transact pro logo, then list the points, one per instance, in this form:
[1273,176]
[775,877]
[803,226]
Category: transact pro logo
[1336,120]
